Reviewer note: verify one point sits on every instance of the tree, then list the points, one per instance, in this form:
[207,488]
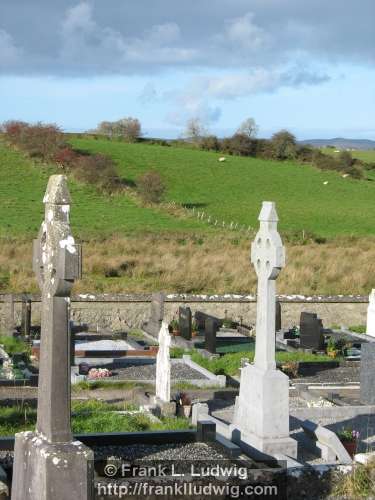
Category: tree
[248,128]
[284,146]
[195,129]
[127,128]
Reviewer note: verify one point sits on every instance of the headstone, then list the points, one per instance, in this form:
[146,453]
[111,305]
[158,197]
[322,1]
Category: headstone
[278,316]
[262,407]
[211,327]
[26,316]
[185,322]
[370,328]
[153,325]
[311,331]
[367,376]
[200,319]
[163,366]
[48,464]
[9,314]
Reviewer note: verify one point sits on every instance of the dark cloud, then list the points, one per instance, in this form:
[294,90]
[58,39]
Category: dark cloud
[126,37]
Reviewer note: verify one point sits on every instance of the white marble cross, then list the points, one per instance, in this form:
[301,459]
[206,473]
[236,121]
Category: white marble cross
[163,365]
[268,258]
[370,328]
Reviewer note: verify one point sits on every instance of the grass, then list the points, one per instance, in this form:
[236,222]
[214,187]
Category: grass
[90,417]
[359,483]
[13,345]
[200,264]
[229,364]
[358,328]
[233,190]
[23,184]
[367,155]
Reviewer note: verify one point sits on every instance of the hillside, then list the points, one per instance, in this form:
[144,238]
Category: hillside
[341,143]
[22,187]
[233,190]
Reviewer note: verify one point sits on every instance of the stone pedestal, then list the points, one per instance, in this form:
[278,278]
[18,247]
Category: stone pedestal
[45,471]
[262,411]
[370,328]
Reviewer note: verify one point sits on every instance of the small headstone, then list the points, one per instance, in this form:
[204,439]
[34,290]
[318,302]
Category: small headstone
[163,366]
[83,369]
[185,322]
[153,325]
[211,327]
[368,373]
[9,314]
[26,316]
[370,329]
[278,316]
[311,331]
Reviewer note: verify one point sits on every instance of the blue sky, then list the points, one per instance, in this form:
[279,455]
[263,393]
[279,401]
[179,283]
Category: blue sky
[309,68]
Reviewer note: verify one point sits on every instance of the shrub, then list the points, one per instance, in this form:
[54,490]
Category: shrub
[210,143]
[239,144]
[345,159]
[97,169]
[151,186]
[40,141]
[127,128]
[305,154]
[12,130]
[66,157]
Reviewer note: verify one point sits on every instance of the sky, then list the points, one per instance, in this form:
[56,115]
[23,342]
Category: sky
[305,66]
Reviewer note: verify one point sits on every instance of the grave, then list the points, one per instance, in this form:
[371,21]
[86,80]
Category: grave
[48,463]
[367,373]
[153,325]
[185,322]
[262,407]
[370,327]
[311,332]
[210,330]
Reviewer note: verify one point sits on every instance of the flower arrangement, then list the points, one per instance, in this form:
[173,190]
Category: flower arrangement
[348,435]
[96,373]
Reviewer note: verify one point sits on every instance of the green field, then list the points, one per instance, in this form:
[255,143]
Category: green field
[233,190]
[368,156]
[22,186]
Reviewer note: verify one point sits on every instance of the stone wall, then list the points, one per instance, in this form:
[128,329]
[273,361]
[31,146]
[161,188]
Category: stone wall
[121,312]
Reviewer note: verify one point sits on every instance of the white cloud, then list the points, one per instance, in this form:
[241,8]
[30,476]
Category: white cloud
[243,32]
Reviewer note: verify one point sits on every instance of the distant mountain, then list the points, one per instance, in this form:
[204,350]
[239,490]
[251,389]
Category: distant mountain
[341,143]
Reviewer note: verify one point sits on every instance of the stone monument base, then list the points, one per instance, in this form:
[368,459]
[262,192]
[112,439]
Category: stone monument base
[262,411]
[45,471]
[165,409]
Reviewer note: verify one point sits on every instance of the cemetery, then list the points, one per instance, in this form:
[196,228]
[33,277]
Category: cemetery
[262,384]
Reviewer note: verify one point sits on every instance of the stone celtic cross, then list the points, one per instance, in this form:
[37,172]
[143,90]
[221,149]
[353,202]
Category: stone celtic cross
[268,258]
[56,263]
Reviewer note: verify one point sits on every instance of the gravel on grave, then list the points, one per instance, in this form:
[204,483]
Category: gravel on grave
[179,371]
[339,375]
[169,451]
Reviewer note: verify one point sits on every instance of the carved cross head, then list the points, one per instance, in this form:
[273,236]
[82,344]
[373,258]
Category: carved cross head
[267,250]
[56,259]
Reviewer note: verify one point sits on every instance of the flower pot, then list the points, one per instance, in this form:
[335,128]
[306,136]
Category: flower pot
[184,411]
[350,446]
[194,334]
[176,333]
[332,354]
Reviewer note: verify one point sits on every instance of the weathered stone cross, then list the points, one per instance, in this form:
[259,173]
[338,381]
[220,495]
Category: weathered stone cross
[268,258]
[56,263]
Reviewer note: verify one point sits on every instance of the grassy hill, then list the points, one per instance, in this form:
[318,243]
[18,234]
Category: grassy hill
[182,254]
[22,186]
[307,199]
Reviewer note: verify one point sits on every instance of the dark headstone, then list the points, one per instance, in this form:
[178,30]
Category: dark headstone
[210,330]
[153,325]
[311,331]
[83,369]
[368,373]
[26,316]
[200,319]
[278,316]
[185,323]
[206,431]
